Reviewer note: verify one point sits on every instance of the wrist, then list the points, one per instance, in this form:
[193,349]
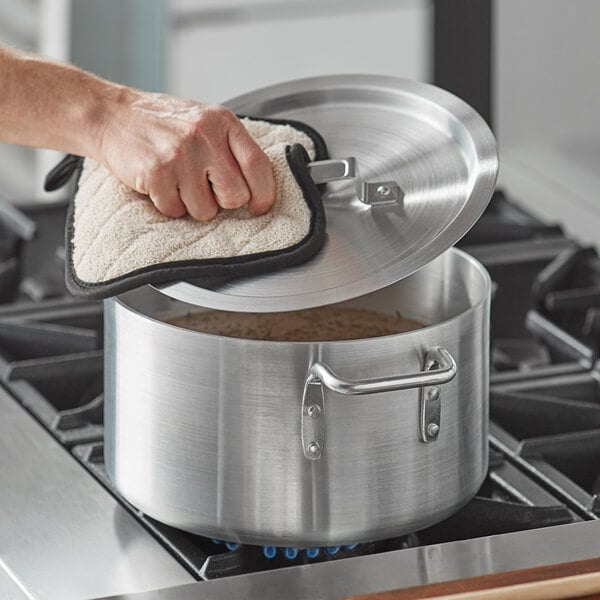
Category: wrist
[109,102]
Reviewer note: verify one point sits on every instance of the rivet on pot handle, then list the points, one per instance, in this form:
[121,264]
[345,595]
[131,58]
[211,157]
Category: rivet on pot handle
[313,419]
[431,394]
[439,367]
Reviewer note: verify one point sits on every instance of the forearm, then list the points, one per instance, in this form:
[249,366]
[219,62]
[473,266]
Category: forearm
[189,157]
[52,105]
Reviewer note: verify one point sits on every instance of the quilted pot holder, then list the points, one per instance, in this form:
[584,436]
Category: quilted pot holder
[117,240]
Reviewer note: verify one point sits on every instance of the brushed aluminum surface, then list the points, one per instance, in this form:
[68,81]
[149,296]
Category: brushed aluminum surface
[400,569]
[438,150]
[10,586]
[204,432]
[62,535]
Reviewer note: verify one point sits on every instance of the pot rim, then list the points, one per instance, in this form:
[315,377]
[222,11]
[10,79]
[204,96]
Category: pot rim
[486,293]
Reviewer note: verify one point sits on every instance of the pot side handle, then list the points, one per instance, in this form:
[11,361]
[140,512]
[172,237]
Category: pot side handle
[438,368]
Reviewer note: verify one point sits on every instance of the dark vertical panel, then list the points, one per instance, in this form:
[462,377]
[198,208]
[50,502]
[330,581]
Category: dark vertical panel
[463,51]
[121,40]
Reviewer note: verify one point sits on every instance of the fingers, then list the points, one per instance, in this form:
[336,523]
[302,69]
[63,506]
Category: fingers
[198,198]
[255,167]
[165,196]
[199,159]
[228,184]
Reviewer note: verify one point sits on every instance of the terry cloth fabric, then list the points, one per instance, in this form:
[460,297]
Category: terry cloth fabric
[117,240]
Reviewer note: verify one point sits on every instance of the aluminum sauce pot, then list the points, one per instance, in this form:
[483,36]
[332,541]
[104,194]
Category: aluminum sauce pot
[296,443]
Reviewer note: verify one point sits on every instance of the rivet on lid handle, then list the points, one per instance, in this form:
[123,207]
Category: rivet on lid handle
[338,169]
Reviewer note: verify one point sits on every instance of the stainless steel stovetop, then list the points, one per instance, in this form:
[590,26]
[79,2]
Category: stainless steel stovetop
[66,534]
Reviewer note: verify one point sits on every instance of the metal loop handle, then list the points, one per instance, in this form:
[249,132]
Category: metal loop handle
[338,169]
[441,369]
[438,368]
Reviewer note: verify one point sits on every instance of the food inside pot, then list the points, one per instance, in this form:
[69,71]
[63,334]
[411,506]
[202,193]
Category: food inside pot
[317,324]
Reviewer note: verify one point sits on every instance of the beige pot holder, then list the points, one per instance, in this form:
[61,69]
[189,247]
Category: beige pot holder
[117,240]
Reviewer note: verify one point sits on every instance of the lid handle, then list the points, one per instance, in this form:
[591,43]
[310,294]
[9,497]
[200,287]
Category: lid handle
[338,169]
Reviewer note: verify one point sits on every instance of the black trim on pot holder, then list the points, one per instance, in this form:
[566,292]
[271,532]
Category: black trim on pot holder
[209,271]
[59,175]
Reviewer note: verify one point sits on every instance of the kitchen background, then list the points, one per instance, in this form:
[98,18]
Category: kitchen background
[212,50]
[66,533]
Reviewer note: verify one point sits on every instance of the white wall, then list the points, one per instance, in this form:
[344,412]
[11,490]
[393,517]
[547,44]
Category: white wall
[547,108]
[221,49]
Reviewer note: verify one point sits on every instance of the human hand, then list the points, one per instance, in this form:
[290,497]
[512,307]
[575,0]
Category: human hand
[189,157]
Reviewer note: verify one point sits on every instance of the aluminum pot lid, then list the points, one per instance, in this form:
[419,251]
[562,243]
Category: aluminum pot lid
[437,150]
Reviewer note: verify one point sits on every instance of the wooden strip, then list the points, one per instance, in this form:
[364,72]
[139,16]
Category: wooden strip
[551,589]
[573,579]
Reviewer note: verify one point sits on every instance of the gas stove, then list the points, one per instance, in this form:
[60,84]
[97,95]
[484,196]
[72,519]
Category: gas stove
[59,507]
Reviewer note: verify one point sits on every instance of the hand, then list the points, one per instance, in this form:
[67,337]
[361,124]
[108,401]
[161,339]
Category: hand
[189,157]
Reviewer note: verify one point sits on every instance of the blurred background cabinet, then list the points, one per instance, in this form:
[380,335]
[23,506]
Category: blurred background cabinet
[211,50]
[124,40]
[542,100]
[222,49]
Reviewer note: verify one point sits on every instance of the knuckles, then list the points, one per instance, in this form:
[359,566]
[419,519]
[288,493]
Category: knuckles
[168,159]
[257,160]
[211,121]
[162,165]
[218,113]
[204,135]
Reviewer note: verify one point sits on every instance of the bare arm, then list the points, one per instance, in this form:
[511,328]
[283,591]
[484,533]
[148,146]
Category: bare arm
[189,157]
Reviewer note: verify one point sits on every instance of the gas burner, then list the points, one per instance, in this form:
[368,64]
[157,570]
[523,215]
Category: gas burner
[303,555]
[234,558]
[272,552]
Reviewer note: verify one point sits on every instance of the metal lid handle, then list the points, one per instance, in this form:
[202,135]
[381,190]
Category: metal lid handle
[338,169]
